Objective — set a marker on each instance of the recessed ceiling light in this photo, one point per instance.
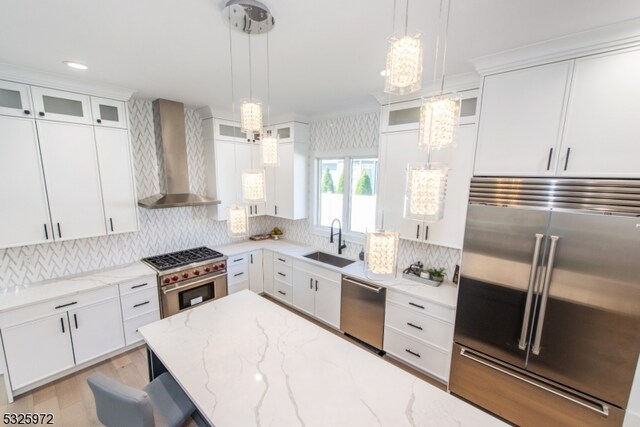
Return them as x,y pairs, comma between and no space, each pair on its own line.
384,73
76,65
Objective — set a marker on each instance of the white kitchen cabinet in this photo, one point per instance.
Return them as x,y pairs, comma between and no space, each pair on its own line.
227,130
247,157
96,330
109,112
287,183
238,274
24,212
256,274
58,105
397,149
317,292
73,182
602,131
290,132
37,349
267,273
521,117
15,99
116,177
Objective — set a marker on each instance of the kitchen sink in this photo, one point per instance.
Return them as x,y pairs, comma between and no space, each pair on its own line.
336,261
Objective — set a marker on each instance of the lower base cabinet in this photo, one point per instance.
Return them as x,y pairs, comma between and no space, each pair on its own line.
316,291
256,272
96,330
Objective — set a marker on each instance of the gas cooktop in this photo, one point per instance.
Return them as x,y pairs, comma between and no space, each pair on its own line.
181,258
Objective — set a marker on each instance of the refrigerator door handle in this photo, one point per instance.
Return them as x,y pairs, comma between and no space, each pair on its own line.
545,295
522,343
601,408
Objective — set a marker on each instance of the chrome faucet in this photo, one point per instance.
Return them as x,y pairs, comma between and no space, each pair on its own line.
341,245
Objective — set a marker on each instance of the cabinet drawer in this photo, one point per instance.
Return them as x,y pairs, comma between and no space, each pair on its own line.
59,305
237,259
138,303
283,273
131,334
138,284
422,306
237,273
239,286
282,259
425,328
416,353
283,291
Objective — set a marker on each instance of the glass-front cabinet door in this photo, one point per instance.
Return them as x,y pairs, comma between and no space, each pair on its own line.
14,99
50,104
108,112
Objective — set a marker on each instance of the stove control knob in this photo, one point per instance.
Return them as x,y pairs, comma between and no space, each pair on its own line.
185,275
167,280
196,272
222,265
216,268
174,278
207,269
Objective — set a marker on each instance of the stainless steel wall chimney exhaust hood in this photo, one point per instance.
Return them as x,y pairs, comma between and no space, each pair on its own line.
173,170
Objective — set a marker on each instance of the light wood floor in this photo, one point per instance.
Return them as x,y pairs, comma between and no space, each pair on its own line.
71,400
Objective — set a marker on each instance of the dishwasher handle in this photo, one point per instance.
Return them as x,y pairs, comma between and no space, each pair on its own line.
372,288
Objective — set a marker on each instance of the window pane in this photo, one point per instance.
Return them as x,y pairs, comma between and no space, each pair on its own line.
331,189
364,188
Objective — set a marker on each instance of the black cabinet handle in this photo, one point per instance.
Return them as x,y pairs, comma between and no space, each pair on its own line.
237,259
250,209
139,286
412,352
316,286
75,320
549,161
46,233
426,233
251,257
283,293
141,304
27,112
311,283
418,231
276,210
62,324
414,326
282,274
566,161
255,208
59,232
66,305
238,274
416,305
99,121
111,222
41,113
283,260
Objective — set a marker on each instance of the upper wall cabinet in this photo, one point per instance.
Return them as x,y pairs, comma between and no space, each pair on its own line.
108,112
15,99
575,118
51,104
227,130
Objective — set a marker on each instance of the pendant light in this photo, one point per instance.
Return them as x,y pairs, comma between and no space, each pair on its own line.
250,109
404,61
439,115
253,185
425,192
269,142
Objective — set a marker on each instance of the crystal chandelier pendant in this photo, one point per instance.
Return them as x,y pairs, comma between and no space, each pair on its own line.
251,116
269,148
381,249
404,65
426,191
439,117
237,221
253,186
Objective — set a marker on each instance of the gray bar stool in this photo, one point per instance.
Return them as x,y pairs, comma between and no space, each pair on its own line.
161,403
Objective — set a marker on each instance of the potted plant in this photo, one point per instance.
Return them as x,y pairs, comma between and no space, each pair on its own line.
436,274
276,233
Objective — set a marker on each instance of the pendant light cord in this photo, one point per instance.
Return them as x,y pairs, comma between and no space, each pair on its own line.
406,19
268,85
233,107
446,39
436,56
250,82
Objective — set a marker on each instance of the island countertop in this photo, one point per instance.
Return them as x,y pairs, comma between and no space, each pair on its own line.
246,361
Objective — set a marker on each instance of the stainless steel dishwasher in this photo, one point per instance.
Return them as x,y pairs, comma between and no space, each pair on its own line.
362,311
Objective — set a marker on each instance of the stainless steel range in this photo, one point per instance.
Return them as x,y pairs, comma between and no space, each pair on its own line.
189,278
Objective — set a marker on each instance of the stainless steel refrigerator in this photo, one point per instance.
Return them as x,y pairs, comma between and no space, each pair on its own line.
548,317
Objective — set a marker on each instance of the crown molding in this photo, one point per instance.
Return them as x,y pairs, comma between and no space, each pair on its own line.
456,83
212,111
616,36
353,111
34,77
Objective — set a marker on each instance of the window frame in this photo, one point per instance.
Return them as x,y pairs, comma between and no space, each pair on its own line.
346,156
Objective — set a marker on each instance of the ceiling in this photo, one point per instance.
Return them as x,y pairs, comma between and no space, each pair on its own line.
325,55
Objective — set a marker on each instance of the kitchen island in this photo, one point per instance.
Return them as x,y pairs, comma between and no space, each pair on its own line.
246,361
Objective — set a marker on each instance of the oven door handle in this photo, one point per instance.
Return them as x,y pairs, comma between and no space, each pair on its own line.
190,285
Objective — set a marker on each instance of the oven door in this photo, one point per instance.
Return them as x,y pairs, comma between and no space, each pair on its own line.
183,296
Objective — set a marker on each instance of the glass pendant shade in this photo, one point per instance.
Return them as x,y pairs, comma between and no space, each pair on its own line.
404,65
253,186
251,116
426,191
381,251
237,221
439,117
269,150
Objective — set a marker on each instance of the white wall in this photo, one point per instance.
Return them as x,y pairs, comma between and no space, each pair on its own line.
632,418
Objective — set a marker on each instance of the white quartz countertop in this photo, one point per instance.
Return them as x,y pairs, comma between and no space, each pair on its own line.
246,361
23,295
445,294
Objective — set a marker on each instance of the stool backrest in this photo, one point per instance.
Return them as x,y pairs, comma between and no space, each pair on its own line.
119,405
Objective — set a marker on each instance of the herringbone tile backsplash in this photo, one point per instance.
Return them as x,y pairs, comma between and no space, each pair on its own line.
166,230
